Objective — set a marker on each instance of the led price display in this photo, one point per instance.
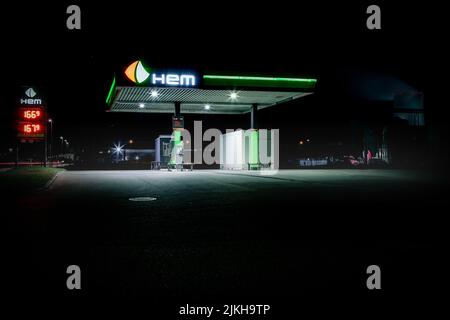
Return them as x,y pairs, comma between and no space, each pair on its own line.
31,129
31,122
31,114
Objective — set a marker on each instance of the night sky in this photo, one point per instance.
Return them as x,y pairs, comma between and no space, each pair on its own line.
327,41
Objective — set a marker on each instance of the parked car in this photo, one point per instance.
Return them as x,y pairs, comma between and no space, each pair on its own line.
346,162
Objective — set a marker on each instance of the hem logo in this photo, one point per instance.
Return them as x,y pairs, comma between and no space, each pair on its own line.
30,93
174,79
137,73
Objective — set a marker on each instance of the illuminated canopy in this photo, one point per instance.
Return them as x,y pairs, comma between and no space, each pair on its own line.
151,90
132,99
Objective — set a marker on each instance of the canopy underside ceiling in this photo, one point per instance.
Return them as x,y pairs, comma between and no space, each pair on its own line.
194,100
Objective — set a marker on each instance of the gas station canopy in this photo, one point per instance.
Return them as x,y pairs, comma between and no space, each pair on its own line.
131,99
157,90
142,89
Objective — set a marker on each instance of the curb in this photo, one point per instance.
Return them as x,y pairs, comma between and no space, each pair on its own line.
49,183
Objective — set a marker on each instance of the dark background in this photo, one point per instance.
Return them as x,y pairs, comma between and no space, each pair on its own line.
323,40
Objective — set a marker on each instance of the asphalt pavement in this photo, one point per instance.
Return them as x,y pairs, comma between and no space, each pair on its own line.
218,233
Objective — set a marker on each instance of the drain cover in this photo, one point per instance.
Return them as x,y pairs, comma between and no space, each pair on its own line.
142,199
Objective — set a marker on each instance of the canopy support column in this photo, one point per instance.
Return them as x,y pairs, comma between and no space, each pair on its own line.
176,159
253,117
177,109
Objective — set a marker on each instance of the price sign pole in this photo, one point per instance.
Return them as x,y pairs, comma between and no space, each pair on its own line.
32,118
45,140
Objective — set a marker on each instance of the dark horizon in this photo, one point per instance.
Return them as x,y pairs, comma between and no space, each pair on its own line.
328,42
